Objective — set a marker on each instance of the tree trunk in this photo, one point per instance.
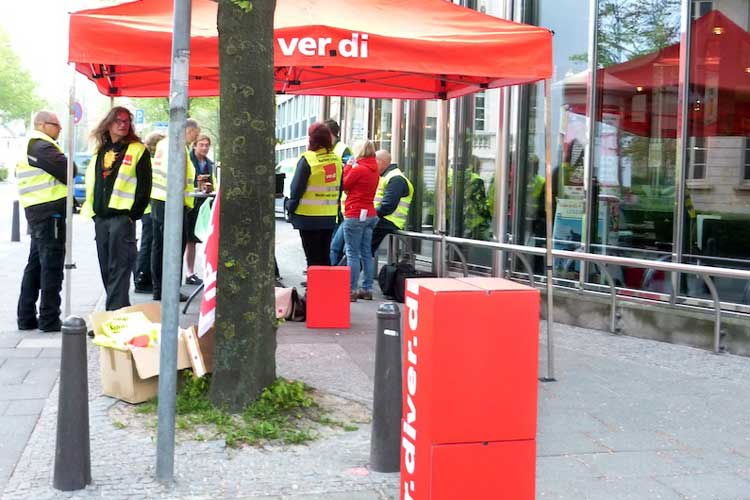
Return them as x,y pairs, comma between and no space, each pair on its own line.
245,359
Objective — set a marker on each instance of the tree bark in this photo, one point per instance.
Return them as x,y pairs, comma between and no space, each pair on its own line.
245,360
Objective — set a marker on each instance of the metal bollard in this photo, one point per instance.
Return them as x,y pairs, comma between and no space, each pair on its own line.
72,452
385,441
15,228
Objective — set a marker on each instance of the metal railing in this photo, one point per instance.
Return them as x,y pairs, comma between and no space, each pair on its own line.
601,261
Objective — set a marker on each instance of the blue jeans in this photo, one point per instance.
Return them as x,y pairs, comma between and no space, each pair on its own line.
337,245
357,245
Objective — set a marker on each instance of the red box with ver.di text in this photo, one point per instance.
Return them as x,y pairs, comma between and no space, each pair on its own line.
328,297
470,389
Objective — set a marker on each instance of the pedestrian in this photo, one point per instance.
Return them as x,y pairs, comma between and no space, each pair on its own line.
345,153
42,192
392,200
118,186
360,184
341,149
314,195
204,171
142,273
159,199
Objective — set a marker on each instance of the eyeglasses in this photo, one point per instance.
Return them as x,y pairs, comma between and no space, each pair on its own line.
54,123
121,121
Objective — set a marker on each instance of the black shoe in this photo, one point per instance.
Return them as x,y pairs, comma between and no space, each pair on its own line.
54,327
193,280
183,297
28,326
304,284
144,289
90,333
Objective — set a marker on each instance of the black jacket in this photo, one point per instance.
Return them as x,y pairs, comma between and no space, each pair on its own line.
396,189
103,185
44,155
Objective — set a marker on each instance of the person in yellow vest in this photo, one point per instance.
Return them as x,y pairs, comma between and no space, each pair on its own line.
159,199
42,192
342,150
392,199
142,271
314,195
118,188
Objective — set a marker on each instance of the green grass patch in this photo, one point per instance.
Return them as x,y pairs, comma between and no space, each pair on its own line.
284,412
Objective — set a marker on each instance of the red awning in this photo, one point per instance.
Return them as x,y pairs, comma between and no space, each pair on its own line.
412,49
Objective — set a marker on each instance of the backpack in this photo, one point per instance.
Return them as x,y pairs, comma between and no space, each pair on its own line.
392,279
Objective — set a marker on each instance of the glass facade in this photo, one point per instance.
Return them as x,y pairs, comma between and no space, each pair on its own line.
650,145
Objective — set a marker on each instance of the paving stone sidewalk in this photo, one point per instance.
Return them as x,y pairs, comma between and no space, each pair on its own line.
627,419
30,360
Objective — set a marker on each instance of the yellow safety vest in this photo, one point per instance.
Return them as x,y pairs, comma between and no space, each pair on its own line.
159,174
339,149
123,191
36,186
320,199
399,216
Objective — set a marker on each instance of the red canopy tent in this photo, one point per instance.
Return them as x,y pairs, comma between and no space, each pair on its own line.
429,49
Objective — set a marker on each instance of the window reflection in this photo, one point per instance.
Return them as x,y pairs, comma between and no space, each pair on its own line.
717,194
635,139
569,20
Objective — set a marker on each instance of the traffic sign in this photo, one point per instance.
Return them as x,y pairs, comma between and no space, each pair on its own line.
140,117
77,112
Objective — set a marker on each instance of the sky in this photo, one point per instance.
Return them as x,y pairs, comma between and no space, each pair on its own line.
38,31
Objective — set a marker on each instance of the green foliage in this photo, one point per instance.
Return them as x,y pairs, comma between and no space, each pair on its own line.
18,97
245,5
3,174
119,425
282,412
205,110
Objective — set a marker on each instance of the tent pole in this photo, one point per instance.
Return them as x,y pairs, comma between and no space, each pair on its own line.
549,218
71,142
441,181
172,261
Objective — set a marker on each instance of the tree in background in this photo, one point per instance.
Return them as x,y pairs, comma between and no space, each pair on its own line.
203,109
245,359
18,99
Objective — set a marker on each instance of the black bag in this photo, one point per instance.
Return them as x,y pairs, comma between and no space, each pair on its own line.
403,272
387,279
299,307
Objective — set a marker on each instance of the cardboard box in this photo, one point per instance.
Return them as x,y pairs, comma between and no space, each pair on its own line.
132,375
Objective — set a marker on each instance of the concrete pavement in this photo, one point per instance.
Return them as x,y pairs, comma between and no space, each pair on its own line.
30,360
627,419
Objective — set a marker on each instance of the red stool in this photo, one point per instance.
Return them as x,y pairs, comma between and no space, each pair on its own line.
328,297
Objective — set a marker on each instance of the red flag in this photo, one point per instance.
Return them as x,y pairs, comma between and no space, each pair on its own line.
208,302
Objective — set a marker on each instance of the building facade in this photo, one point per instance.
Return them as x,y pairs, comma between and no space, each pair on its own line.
650,148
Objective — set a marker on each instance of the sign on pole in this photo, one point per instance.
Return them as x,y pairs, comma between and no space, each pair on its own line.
140,117
77,112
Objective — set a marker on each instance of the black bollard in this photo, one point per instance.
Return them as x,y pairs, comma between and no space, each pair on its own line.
385,441
15,227
72,453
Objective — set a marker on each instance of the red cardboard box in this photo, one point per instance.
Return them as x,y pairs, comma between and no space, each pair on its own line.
470,389
328,297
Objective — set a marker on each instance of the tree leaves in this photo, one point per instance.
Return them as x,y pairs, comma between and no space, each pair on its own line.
18,97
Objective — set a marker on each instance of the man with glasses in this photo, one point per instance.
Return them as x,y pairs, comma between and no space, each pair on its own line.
118,190
42,192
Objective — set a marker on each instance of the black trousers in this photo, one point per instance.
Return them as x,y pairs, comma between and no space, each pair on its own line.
43,273
116,248
143,262
157,244
317,246
382,229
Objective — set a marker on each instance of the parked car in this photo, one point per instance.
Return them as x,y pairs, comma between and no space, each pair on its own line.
79,187
286,167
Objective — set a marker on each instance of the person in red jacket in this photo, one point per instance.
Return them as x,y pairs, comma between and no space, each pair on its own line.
360,184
